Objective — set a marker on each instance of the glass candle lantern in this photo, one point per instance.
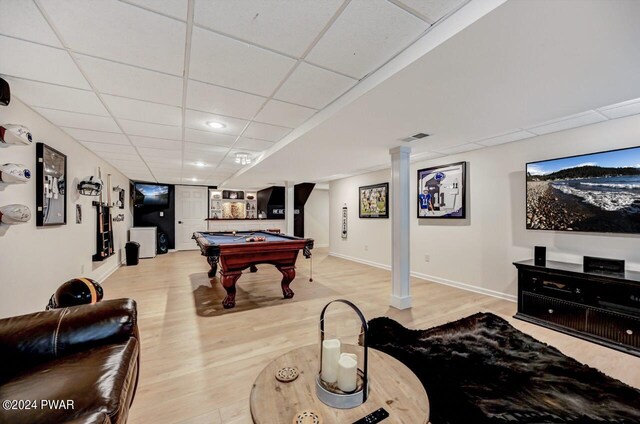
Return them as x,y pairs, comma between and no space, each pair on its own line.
342,380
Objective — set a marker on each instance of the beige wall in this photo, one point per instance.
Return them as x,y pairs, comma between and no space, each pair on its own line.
35,261
478,252
316,217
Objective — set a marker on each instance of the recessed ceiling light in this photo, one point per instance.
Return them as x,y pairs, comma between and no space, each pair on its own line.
194,179
216,125
200,164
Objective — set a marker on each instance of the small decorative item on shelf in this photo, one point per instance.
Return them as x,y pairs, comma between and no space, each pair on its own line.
12,173
340,383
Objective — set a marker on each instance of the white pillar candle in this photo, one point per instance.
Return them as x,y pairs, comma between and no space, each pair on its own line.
347,373
330,357
350,355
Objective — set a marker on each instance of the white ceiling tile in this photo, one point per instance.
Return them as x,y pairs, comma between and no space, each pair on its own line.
39,94
22,19
156,143
620,110
174,8
162,162
365,36
284,114
151,130
314,87
96,136
110,148
223,61
138,110
121,32
129,81
505,138
204,148
208,137
40,63
252,144
286,26
266,131
142,177
156,153
573,121
460,149
198,121
433,10
222,101
128,165
108,156
79,120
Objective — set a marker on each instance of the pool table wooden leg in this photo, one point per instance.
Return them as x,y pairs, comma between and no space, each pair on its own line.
288,274
213,262
228,281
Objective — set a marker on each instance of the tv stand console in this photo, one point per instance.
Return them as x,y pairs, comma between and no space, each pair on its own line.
601,307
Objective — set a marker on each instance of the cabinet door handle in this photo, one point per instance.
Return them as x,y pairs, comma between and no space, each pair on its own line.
630,332
550,311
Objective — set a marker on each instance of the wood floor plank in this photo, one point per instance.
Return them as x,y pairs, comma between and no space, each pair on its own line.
198,369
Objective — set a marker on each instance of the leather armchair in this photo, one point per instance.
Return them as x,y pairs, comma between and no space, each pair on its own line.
84,360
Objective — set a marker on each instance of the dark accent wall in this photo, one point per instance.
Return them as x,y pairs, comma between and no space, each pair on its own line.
301,194
149,216
272,199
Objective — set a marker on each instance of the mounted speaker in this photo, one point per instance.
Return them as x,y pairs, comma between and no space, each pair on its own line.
540,256
5,93
163,243
593,264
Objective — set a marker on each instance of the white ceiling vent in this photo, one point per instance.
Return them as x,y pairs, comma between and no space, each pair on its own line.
414,137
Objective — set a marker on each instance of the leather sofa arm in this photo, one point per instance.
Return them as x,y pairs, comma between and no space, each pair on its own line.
29,339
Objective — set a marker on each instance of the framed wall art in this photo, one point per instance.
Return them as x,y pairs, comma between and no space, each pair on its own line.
441,191
51,186
374,201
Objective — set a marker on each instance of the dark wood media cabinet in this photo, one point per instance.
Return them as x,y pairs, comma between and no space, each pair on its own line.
601,307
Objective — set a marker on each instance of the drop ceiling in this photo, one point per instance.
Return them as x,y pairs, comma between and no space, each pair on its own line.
137,81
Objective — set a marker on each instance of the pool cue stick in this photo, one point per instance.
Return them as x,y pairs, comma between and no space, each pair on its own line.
241,237
109,213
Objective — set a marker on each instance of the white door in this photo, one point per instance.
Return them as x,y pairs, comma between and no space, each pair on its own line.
191,211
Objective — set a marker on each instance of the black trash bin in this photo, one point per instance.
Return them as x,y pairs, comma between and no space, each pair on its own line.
133,253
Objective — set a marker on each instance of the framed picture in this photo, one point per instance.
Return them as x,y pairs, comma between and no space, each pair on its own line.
374,201
441,191
51,186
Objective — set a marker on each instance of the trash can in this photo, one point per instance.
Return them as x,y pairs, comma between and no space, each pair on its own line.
132,249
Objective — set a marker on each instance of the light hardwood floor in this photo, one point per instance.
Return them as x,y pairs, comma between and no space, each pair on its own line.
199,369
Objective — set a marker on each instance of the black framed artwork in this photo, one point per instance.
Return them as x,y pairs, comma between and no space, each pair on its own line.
441,191
374,201
51,186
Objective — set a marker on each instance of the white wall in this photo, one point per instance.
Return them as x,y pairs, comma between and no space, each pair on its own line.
316,217
477,253
35,261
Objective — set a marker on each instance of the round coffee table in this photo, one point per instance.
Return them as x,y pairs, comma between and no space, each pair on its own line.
392,386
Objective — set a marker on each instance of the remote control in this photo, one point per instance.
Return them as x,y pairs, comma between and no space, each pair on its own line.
374,417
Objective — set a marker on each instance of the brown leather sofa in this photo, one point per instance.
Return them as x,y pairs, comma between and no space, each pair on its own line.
87,356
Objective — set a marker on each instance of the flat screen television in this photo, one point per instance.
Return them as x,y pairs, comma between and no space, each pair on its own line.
151,195
598,192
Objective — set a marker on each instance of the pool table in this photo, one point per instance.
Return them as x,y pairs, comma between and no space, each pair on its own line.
234,254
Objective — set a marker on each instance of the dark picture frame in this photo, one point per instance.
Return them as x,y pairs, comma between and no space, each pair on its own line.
51,186
376,195
441,192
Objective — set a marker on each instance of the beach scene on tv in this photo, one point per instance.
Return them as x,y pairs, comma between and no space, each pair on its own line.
598,192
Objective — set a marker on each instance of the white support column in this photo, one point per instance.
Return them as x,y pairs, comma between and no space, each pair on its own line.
400,216
289,208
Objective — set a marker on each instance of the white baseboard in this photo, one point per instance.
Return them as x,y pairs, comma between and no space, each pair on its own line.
434,279
101,278
361,261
